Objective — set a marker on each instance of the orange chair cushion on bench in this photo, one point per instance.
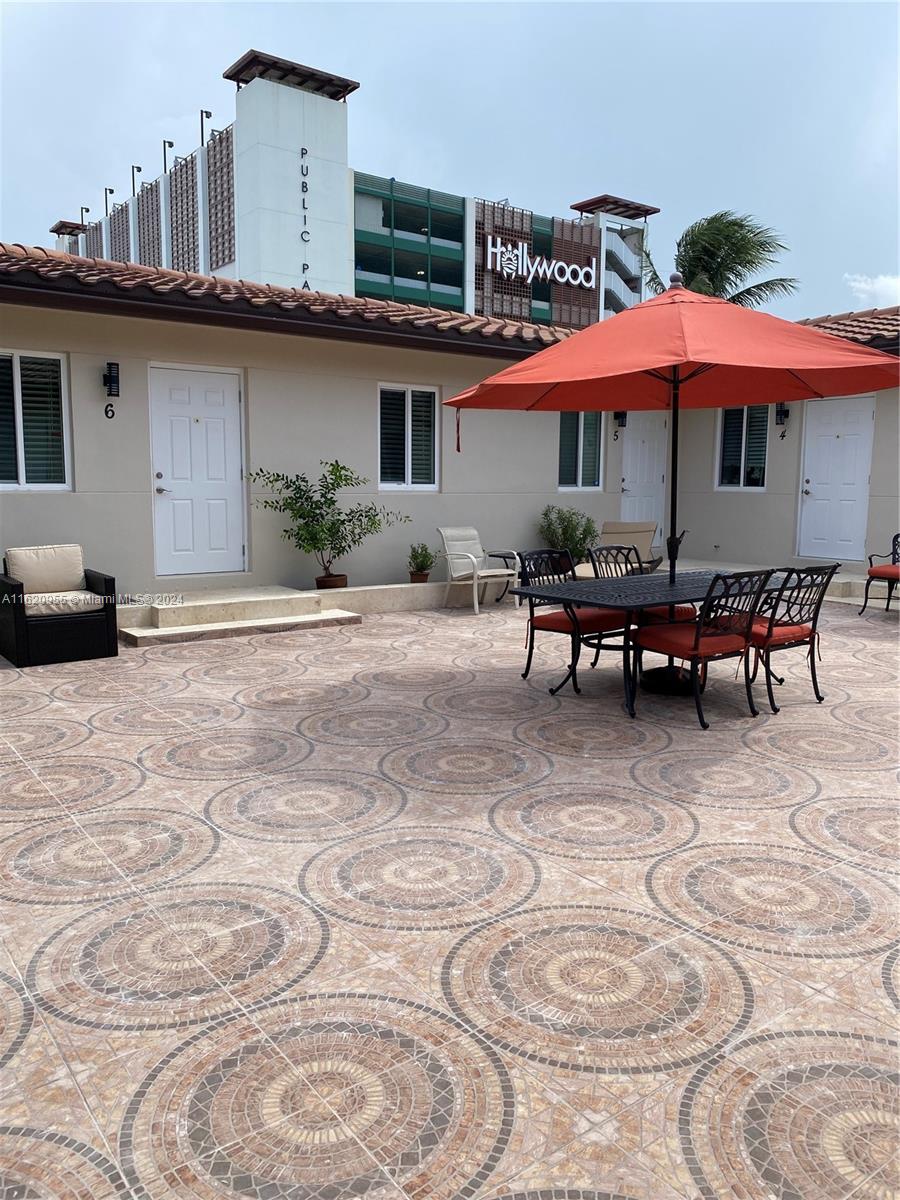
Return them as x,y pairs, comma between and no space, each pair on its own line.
759,634
590,620
678,640
888,571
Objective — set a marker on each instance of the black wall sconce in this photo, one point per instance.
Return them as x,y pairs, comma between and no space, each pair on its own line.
111,379
782,413
621,419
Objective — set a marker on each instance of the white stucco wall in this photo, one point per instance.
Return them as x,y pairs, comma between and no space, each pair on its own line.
305,400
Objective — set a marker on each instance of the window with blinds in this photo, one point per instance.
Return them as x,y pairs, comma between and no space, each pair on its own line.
580,439
407,437
32,429
743,447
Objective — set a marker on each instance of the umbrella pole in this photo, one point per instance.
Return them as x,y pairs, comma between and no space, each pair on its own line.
672,541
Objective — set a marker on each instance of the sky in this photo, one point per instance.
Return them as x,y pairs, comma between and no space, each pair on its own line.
784,111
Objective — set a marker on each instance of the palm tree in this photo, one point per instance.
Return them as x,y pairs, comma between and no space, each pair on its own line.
717,256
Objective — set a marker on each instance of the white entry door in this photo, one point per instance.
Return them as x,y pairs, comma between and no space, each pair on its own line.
644,468
837,456
198,491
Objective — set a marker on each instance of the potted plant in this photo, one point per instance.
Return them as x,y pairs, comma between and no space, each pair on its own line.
318,524
567,529
420,562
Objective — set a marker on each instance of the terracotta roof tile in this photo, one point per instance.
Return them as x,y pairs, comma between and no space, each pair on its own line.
43,267
871,326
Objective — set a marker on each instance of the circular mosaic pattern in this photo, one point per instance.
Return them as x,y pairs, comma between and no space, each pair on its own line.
585,735
33,739
16,1016
598,990
304,809
489,702
466,766
795,1114
306,1101
291,695
146,682
238,672
23,704
102,856
822,745
861,831
713,779
195,756
783,901
419,877
553,1193
419,677
586,824
40,1164
372,725
356,655
879,718
203,651
890,976
153,719
76,785
177,956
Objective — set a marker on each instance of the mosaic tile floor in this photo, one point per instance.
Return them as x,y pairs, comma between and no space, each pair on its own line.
360,914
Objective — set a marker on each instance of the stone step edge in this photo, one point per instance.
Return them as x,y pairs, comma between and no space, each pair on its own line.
153,635
165,616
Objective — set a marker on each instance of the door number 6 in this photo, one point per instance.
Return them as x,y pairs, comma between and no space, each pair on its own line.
109,412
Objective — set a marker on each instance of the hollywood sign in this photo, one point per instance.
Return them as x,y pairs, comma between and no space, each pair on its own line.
513,261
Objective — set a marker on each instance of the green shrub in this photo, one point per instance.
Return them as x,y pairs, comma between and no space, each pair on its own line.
567,529
421,559
317,523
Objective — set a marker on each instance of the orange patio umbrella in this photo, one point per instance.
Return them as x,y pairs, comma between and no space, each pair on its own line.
683,350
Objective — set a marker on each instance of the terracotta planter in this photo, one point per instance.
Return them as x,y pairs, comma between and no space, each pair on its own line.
418,576
331,581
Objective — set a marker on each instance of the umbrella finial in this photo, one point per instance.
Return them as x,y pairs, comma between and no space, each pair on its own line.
676,280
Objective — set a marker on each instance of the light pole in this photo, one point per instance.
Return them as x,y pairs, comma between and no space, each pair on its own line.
135,170
205,115
166,146
84,209
107,192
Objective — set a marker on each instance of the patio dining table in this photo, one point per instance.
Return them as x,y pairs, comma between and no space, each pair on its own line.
631,594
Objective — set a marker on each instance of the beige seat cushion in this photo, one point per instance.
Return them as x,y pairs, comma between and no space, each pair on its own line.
54,604
47,568
487,573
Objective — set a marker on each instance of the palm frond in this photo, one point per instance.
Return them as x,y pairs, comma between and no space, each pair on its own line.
718,255
767,289
652,278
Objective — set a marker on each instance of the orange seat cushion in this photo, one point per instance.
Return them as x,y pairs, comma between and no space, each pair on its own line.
660,612
888,571
678,640
590,620
759,633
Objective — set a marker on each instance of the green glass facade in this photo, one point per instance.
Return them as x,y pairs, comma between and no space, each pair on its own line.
409,243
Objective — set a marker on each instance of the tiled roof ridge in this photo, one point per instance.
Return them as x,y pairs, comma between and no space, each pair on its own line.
126,276
892,310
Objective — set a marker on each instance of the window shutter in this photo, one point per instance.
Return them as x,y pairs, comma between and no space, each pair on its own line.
568,449
422,417
732,441
757,437
393,436
42,420
590,449
9,472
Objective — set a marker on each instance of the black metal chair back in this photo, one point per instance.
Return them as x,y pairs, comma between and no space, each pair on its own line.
543,568
799,599
895,549
730,605
612,562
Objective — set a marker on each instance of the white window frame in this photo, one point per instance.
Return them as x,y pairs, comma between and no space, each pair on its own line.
409,388
741,487
601,454
15,355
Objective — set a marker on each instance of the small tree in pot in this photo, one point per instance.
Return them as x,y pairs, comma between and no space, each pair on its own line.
318,524
420,562
567,529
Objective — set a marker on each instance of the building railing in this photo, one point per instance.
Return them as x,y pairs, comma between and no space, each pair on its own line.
619,291
625,259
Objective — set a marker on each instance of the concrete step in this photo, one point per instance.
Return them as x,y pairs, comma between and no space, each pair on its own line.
234,604
155,636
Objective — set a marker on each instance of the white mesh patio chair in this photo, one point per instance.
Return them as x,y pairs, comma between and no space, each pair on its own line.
467,562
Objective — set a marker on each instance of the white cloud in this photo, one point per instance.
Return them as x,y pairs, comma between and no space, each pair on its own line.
875,291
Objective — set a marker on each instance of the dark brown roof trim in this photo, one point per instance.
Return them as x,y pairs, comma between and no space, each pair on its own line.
616,206
256,64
